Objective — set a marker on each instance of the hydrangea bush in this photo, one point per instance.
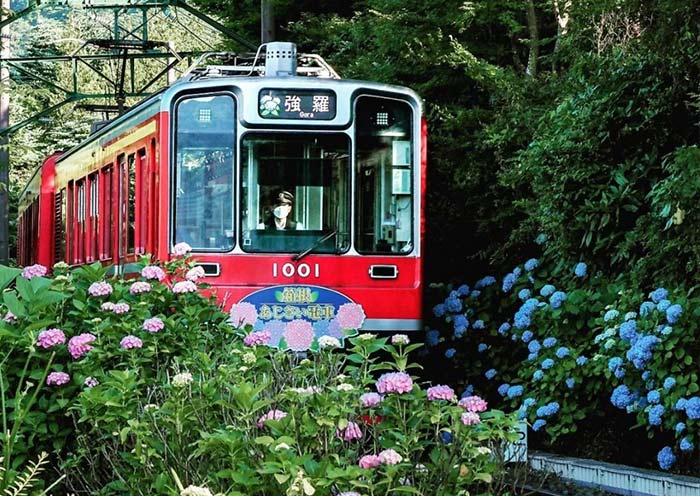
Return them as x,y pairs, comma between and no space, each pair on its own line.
143,386
554,345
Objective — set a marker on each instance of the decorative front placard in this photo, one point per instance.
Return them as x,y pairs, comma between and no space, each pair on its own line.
297,104
296,316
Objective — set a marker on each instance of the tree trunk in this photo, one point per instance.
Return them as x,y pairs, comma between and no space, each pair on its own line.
562,9
534,40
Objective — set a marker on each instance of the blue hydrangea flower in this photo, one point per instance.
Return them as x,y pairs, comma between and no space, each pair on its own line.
548,410
655,414
580,269
479,324
630,315
686,444
582,360
503,389
446,437
508,282
474,294
611,314
614,363
570,382
460,324
450,352
620,372
641,351
669,382
666,458
526,337
628,330
468,391
646,308
537,375
439,310
547,363
539,423
549,342
562,352
646,375
490,373
557,299
663,305
482,347
680,404
463,290
432,337
653,396
505,327
673,313
533,356
521,320
514,391
531,264
534,346
547,290
680,427
692,408
622,397
658,294
528,402
665,329
485,282
517,271
524,294
453,303
541,239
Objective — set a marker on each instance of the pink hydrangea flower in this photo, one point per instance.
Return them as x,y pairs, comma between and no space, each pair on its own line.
100,288
154,324
473,404
243,313
91,382
181,249
36,270
299,335
50,338
400,339
10,317
350,433
271,415
129,342
107,306
441,392
195,273
394,382
152,272
57,379
470,418
390,457
184,287
79,345
120,308
350,316
257,338
140,287
370,461
370,400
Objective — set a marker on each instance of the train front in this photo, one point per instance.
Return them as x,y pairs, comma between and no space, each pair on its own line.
301,196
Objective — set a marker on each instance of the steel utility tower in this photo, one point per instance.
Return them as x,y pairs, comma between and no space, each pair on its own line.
130,46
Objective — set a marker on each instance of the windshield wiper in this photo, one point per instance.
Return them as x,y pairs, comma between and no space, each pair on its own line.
316,244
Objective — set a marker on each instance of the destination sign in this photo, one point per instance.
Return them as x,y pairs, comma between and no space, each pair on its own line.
297,104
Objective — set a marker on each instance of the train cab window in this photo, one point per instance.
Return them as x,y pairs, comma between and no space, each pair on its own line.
384,174
204,171
308,177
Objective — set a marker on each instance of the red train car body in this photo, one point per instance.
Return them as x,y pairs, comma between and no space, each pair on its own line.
204,161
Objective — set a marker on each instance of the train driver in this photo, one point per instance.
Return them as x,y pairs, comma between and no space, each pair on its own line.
281,214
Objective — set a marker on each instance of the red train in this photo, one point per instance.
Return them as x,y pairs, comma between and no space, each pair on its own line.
211,159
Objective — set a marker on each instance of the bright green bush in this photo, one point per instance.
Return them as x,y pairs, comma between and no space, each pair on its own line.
141,386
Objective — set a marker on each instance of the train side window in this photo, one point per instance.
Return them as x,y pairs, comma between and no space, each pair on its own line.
204,171
106,213
385,173
129,195
70,231
142,205
93,218
80,219
60,252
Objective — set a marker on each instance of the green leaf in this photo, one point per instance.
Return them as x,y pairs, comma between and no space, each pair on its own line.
13,303
7,275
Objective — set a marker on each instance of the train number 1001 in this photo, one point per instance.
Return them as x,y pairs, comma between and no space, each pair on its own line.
290,270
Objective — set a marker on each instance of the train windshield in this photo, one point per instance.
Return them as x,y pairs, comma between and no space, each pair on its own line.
295,193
